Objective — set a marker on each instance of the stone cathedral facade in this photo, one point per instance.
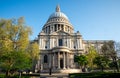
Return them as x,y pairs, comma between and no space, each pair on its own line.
59,44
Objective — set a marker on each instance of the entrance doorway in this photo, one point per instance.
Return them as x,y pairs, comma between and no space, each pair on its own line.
61,63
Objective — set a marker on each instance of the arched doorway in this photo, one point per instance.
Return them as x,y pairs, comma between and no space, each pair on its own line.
61,63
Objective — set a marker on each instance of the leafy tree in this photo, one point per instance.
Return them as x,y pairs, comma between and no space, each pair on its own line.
14,40
101,62
33,50
12,61
82,61
92,53
108,50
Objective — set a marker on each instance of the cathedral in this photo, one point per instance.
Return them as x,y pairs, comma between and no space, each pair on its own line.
58,44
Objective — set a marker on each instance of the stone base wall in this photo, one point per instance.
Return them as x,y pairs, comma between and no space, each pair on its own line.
62,71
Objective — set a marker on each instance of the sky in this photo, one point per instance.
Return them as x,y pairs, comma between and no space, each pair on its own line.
94,19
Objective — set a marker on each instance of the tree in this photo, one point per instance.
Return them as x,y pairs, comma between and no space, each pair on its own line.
82,61
14,40
108,50
92,53
33,50
101,62
12,61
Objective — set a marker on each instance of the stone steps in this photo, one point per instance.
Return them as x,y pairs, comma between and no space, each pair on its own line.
54,75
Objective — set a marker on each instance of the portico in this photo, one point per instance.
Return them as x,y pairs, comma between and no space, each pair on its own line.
59,58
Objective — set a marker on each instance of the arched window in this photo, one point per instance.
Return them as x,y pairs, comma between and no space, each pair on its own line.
45,59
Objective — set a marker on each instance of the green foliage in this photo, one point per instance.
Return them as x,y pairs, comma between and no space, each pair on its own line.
14,41
108,50
33,50
101,62
92,53
82,60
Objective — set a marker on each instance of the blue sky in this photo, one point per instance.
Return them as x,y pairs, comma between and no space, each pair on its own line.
95,19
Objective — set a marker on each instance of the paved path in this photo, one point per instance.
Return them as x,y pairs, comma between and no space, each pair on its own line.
54,75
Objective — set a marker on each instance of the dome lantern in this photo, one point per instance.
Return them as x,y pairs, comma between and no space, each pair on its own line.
57,8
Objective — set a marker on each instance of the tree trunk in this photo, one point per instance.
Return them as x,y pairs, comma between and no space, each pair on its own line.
116,64
7,73
102,68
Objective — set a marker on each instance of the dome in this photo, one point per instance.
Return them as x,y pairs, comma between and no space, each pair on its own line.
58,14
57,21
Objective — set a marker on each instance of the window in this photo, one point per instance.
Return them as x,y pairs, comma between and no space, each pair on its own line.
48,29
74,47
45,47
55,27
46,44
45,59
60,42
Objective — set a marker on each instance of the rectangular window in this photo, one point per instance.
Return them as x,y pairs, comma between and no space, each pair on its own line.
55,27
60,42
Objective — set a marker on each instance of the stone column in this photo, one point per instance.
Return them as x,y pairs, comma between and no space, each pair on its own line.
63,27
49,60
53,62
70,42
64,65
77,43
41,62
58,60
53,42
67,61
41,43
81,46
60,27
57,27
53,27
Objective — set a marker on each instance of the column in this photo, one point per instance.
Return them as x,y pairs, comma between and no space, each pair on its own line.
53,42
64,61
67,61
41,62
70,43
63,27
60,27
53,27
41,43
50,60
58,60
57,27
81,46
77,43
53,62
50,43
